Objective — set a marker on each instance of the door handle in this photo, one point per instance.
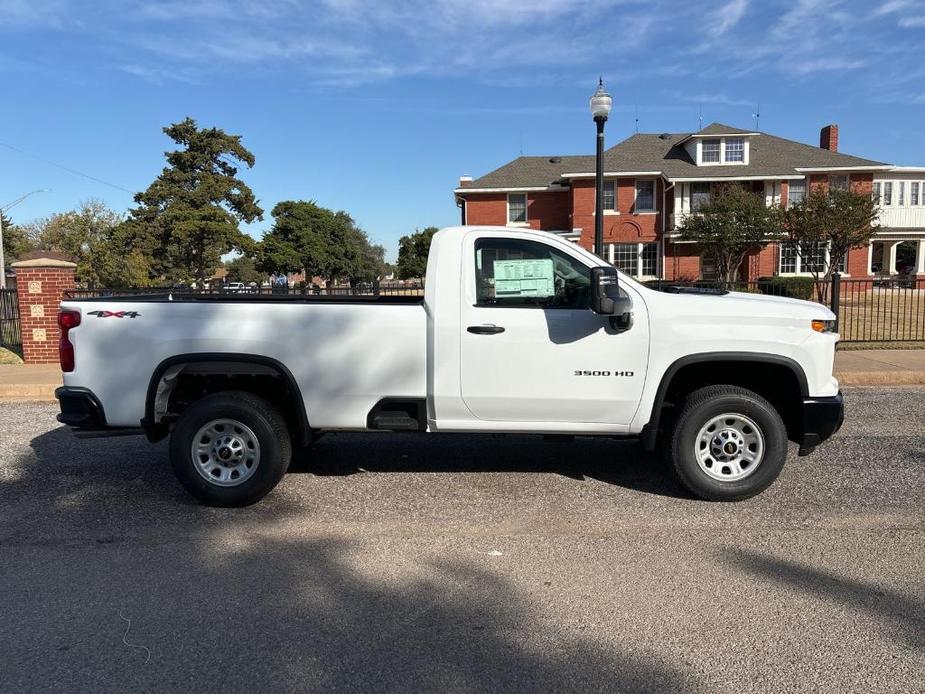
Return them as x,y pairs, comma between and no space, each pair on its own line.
485,329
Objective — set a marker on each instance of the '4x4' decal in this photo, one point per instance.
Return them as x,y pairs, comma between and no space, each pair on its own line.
114,314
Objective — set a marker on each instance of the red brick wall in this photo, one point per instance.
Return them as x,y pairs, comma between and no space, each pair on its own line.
625,227
39,290
545,210
682,262
489,209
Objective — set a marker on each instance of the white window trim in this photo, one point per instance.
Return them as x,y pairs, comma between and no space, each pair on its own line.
799,262
616,199
722,151
723,147
611,256
652,210
805,190
526,222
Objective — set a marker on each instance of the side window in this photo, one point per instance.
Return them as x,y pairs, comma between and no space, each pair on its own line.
514,272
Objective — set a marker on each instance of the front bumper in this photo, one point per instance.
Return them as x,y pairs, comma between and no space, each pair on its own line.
822,417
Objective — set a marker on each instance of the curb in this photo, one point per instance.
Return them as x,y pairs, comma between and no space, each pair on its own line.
880,378
32,392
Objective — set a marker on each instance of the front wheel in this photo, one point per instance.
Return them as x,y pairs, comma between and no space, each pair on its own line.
728,444
230,449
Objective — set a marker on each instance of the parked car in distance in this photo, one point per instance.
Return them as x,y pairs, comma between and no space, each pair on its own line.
518,331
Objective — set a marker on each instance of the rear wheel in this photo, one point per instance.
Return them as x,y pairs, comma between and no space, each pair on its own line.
728,444
230,449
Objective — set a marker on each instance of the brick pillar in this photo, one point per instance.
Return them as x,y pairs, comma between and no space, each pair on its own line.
40,284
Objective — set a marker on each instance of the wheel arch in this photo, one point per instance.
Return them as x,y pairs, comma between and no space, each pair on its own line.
677,370
153,422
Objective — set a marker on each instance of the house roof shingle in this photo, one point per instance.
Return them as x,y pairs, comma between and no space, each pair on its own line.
769,156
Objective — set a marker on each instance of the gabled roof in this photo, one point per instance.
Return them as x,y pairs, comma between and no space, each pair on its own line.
531,172
769,156
720,129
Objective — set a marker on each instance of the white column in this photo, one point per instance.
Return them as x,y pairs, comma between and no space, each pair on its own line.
870,258
892,266
920,258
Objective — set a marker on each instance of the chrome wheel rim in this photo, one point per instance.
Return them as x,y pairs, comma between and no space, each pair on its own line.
225,452
729,447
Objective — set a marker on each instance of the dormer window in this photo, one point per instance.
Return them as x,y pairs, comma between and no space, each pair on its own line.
710,152
735,150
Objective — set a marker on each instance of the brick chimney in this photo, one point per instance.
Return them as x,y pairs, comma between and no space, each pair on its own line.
465,181
828,138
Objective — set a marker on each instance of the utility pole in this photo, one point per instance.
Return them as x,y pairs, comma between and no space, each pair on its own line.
4,209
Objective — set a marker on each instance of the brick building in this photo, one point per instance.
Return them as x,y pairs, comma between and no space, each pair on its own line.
653,181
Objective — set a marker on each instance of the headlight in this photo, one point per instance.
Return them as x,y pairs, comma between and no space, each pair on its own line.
824,326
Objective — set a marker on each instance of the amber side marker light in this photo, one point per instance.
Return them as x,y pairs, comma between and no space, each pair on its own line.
823,326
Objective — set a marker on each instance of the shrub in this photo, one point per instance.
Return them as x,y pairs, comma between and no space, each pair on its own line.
793,287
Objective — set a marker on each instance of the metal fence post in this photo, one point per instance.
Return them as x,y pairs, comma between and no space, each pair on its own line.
836,296
376,290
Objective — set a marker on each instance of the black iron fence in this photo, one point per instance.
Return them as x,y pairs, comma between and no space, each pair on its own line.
365,289
890,309
10,327
868,310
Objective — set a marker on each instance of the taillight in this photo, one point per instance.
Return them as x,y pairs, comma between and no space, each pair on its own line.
66,321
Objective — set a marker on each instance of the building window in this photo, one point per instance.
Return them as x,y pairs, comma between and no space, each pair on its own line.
635,259
902,191
887,198
710,152
838,182
517,208
875,192
914,193
700,195
814,258
645,196
610,195
788,258
796,192
735,149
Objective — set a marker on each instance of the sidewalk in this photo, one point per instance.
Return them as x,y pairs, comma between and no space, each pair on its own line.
875,367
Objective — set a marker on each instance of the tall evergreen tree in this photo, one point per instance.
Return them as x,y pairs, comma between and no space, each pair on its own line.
188,217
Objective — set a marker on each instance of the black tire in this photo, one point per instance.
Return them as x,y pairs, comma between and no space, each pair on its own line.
267,426
707,403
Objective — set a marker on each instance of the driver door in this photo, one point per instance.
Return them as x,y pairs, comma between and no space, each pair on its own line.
531,348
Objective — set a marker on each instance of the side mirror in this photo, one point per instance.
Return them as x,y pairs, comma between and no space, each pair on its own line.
608,300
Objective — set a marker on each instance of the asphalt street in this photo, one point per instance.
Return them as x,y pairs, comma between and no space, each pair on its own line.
464,563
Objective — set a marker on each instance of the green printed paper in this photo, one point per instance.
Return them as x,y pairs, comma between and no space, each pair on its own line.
524,278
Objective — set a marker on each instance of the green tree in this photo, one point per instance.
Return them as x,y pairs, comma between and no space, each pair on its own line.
91,235
188,217
311,238
244,269
840,220
412,253
15,240
732,225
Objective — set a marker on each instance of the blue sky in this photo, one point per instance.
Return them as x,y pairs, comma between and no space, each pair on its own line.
379,107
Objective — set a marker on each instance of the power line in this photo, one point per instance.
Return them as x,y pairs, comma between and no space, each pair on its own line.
67,168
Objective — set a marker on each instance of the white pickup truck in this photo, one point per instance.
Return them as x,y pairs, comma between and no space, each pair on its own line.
517,332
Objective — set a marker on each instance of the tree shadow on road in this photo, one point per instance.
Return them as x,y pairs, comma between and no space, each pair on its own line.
902,614
233,600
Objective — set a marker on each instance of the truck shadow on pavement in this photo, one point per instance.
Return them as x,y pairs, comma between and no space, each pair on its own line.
622,463
242,600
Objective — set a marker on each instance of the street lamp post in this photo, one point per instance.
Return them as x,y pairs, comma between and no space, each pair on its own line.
601,104
4,209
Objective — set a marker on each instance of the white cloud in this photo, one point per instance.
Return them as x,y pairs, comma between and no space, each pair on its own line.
912,22
727,16
826,65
